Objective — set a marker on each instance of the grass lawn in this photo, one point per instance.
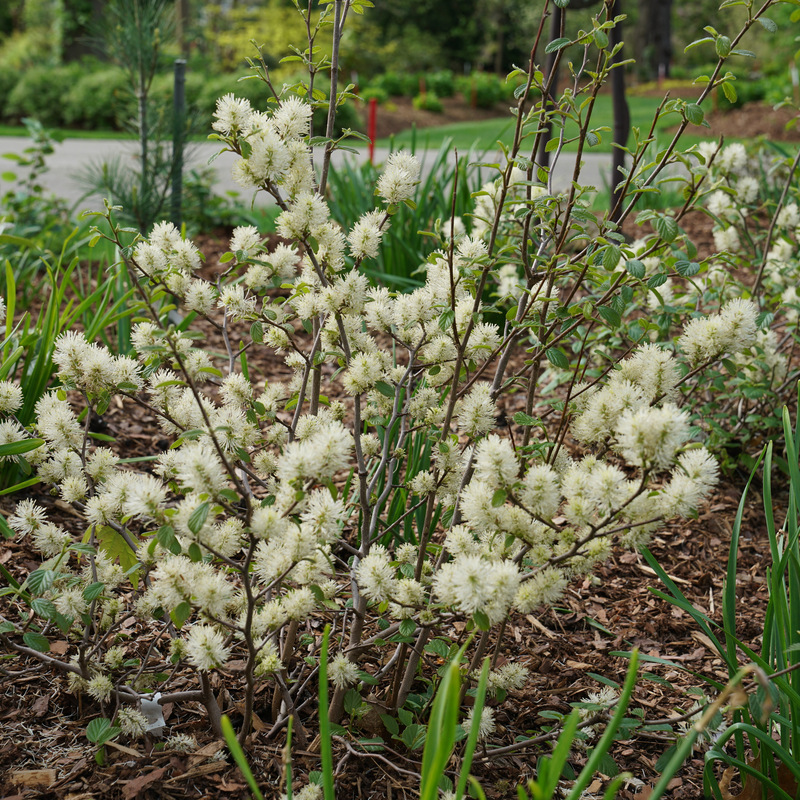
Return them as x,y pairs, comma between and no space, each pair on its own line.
485,133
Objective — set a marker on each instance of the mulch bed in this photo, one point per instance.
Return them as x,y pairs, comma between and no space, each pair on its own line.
44,751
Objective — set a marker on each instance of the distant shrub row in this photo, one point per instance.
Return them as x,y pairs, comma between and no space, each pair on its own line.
69,96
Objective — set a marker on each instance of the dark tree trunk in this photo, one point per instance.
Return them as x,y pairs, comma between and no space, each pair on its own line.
79,16
556,25
653,42
622,117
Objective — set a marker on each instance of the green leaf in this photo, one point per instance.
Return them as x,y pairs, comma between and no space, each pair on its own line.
729,91
407,627
610,316
40,580
390,723
769,24
99,731
352,701
498,498
556,44
635,268
36,642
556,357
611,256
117,549
93,591
15,448
694,114
521,418
687,268
601,39
181,613
723,46
481,620
166,538
385,389
199,517
659,279
44,608
666,228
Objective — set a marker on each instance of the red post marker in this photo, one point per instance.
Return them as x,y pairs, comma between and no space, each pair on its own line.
373,113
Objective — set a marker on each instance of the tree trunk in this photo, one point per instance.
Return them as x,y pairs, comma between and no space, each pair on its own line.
622,117
556,24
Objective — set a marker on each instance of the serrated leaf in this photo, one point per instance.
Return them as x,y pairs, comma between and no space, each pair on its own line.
611,316
40,580
116,548
723,46
385,389
729,91
666,228
694,114
687,268
166,538
481,620
556,44
100,730
93,591
659,279
36,642
521,418
556,357
181,613
611,256
407,627
636,268
43,608
769,24
198,517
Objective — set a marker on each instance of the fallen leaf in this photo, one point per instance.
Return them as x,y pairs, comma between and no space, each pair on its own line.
132,788
39,708
753,788
60,648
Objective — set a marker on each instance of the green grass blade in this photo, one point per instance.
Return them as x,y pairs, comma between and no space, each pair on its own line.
239,757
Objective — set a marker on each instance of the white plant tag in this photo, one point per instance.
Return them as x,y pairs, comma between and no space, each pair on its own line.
154,714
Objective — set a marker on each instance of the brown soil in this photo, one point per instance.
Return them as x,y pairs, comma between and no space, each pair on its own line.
751,121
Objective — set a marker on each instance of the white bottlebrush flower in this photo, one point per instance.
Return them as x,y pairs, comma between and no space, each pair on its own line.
400,177
132,722
291,120
304,216
245,239
788,216
727,239
732,158
200,296
545,588
205,648
747,190
495,462
731,331
486,725
28,517
233,115
363,372
541,494
10,433
269,158
10,397
342,672
508,678
476,413
100,687
650,437
50,539
365,238
181,743
375,576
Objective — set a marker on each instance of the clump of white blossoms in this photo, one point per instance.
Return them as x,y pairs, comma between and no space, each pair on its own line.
370,476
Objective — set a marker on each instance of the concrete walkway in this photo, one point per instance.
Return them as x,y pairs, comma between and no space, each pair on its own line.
73,156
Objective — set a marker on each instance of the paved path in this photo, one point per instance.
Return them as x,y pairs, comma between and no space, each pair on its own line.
72,156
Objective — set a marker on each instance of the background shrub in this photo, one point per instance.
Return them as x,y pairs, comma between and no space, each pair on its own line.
40,93
99,100
8,80
488,89
441,83
428,102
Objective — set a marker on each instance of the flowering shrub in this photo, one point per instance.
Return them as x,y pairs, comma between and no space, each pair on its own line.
273,504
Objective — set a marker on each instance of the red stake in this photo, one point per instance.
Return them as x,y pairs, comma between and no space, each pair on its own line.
373,112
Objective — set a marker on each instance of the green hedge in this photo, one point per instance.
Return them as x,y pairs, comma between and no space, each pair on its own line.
40,93
100,100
